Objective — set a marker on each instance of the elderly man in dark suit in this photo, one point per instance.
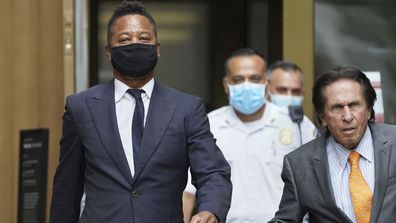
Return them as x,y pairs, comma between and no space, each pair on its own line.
349,173
129,143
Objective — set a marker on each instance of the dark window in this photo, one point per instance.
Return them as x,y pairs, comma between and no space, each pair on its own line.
359,33
196,37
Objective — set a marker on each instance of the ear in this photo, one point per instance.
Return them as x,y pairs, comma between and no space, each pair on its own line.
267,89
268,83
323,121
108,51
369,114
225,85
158,48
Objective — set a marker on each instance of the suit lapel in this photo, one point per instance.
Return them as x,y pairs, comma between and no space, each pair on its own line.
323,176
102,108
161,109
381,162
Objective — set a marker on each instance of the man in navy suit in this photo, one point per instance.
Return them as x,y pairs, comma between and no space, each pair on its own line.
136,174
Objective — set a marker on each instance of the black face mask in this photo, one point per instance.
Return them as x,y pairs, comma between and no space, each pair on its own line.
134,60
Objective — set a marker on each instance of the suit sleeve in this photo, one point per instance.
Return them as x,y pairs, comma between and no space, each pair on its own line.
209,169
289,208
68,180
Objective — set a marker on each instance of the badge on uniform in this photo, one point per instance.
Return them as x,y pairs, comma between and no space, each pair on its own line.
286,136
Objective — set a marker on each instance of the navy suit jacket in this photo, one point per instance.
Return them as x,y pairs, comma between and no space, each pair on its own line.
176,137
308,186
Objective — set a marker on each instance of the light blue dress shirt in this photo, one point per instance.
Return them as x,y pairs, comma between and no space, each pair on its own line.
339,169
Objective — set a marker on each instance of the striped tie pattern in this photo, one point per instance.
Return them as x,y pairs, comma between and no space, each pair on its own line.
360,192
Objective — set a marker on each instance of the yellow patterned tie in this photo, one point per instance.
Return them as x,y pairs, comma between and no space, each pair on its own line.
360,192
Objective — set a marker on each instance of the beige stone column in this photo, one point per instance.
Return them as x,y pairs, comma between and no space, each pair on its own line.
31,87
298,42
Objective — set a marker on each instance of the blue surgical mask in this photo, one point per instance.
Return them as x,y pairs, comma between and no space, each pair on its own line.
247,98
286,100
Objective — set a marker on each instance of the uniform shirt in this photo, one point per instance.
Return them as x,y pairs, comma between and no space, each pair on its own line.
255,153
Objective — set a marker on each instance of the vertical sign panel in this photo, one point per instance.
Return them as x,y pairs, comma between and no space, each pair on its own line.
32,175
375,79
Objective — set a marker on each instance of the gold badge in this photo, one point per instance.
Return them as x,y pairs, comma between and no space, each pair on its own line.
286,136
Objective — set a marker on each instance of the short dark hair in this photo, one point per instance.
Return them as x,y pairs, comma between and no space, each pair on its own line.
285,65
331,76
241,52
129,8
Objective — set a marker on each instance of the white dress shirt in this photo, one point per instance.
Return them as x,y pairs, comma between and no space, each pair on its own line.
125,107
340,168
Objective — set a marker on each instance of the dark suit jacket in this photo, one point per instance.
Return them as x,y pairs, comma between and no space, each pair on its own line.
308,187
176,136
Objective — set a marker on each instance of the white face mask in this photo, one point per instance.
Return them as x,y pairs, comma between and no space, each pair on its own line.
286,100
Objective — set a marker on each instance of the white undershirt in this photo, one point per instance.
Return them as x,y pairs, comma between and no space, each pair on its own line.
125,106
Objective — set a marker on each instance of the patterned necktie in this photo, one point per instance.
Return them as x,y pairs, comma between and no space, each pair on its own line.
137,122
360,192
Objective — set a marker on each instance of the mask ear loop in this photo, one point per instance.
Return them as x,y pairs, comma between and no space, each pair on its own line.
267,93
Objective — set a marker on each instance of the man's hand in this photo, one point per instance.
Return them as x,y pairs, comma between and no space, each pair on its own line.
204,217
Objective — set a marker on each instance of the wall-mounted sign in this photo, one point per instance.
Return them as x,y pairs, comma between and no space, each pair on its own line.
375,79
33,159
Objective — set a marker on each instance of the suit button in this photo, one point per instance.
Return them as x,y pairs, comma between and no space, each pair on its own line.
134,193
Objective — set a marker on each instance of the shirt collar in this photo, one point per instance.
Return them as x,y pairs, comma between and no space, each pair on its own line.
230,118
272,114
364,148
120,89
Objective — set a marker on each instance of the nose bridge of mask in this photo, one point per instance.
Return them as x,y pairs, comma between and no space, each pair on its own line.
246,86
283,96
286,100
